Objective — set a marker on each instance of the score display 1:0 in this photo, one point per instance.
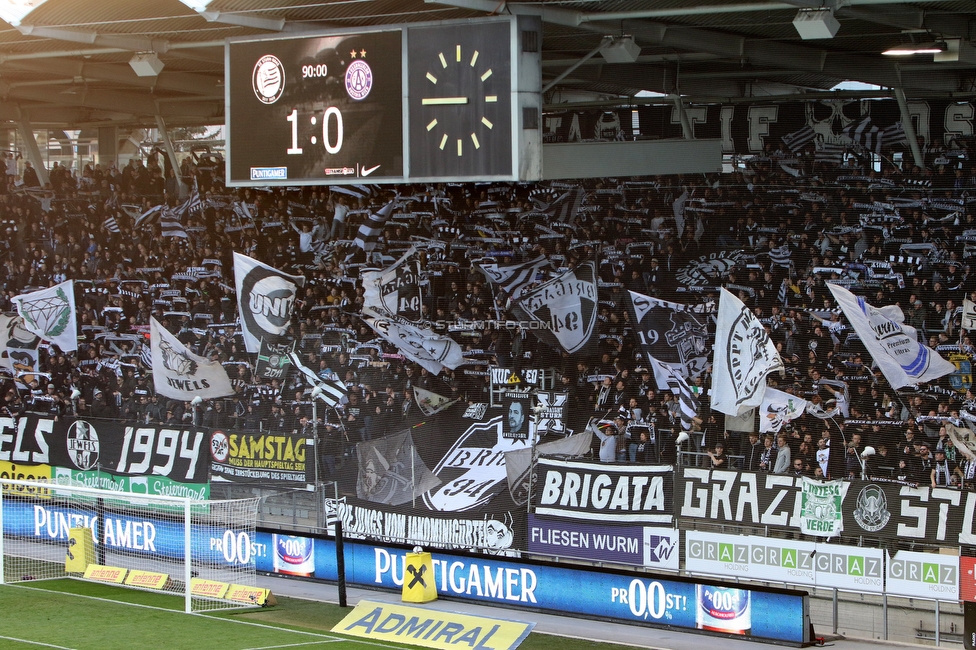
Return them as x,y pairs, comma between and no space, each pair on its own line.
331,111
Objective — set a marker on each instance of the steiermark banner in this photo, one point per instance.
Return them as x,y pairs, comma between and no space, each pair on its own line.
849,568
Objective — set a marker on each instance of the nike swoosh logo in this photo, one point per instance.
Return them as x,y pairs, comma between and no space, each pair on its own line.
367,172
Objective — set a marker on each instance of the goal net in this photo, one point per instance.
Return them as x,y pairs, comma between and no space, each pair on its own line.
201,550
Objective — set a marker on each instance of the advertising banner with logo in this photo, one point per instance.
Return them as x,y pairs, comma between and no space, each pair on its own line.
631,545
101,453
923,575
770,559
771,614
156,536
887,510
605,493
967,579
284,459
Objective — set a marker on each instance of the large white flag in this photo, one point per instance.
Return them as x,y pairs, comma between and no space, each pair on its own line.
419,344
778,408
180,374
50,313
891,343
744,355
265,299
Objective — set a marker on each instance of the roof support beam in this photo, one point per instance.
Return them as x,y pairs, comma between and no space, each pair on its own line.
197,84
33,151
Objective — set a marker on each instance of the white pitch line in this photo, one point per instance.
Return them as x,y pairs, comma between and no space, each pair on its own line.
46,645
295,645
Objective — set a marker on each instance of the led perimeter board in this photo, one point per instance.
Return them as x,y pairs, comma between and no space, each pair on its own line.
450,101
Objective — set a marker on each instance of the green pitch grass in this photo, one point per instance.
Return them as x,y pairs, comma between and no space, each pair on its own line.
78,615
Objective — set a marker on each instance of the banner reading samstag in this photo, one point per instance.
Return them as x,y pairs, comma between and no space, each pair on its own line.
888,510
282,459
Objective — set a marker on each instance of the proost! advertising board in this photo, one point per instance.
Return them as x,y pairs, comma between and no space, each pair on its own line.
849,568
776,615
923,575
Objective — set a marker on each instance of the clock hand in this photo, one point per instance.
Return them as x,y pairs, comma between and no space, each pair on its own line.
443,101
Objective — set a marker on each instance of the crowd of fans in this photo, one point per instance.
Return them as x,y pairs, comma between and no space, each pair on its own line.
897,238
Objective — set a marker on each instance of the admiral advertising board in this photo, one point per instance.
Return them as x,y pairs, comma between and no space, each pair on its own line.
150,459
850,568
887,510
768,614
394,103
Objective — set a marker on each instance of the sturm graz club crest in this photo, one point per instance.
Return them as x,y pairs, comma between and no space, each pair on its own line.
82,445
566,305
871,510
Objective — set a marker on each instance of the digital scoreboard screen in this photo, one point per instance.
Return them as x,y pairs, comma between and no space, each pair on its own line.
419,102
315,109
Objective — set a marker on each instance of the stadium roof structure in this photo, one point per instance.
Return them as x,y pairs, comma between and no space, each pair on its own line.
75,62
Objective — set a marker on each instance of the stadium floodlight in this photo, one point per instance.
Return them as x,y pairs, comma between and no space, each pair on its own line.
14,11
910,49
158,543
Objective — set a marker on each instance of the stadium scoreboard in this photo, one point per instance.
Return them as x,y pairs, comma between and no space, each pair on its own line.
448,101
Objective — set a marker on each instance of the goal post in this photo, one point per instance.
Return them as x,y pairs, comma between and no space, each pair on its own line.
200,550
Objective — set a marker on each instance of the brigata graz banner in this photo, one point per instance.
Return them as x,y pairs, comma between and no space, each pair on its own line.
604,493
101,453
871,508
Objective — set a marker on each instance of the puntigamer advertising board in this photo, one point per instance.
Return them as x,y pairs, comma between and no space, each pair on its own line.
771,614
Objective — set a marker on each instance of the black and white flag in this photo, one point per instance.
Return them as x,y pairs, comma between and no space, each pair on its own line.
672,333
798,139
744,355
265,299
865,134
333,392
170,226
180,374
421,345
669,379
111,225
512,278
395,290
565,308
371,229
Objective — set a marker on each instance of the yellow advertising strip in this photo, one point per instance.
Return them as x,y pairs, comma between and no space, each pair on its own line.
146,579
20,472
101,573
250,595
208,588
430,628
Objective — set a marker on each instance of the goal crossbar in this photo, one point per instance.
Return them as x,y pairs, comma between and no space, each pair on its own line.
164,543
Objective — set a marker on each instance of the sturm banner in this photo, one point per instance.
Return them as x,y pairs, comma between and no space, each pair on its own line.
871,509
265,299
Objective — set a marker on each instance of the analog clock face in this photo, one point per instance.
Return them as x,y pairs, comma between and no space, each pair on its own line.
460,101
